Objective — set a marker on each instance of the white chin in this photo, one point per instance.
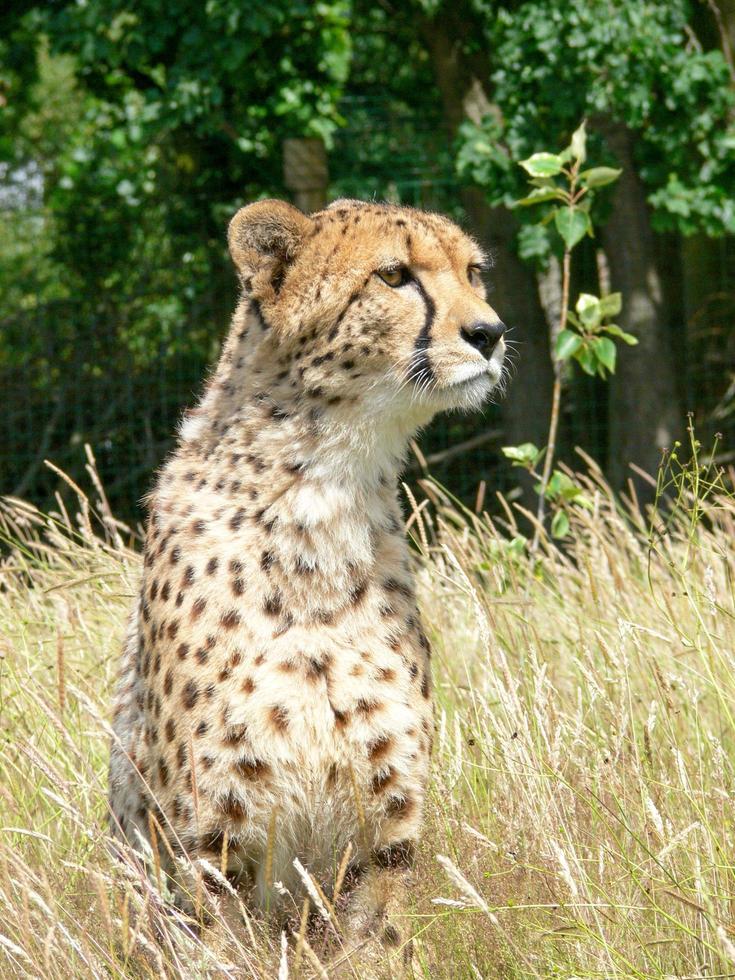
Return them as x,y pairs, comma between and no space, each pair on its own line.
468,394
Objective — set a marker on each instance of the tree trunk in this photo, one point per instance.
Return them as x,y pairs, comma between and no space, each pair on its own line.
462,80
305,172
645,409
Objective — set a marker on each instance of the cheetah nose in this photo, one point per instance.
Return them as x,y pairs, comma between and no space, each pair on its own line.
484,336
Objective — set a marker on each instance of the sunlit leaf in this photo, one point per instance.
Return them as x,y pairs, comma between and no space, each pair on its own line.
572,224
542,164
524,455
567,344
611,304
588,308
605,352
560,525
615,331
578,146
586,359
540,194
599,176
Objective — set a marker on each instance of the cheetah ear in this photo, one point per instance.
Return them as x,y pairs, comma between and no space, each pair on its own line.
264,238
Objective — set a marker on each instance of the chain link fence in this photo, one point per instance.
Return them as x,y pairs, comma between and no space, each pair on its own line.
68,377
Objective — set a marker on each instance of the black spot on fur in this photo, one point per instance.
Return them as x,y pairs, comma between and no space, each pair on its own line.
233,806
230,619
237,518
399,806
379,748
212,841
279,718
251,769
273,604
190,694
426,685
341,718
383,779
163,772
358,592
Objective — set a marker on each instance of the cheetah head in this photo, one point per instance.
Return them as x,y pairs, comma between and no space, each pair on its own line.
372,304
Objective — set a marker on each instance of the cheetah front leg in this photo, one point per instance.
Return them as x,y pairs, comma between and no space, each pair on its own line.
378,918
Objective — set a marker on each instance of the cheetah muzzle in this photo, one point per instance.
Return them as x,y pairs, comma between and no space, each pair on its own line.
275,688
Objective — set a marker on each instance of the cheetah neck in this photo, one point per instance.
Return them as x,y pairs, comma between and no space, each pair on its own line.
318,479
251,412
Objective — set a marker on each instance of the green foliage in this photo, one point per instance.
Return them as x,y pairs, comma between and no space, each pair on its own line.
561,491
162,136
586,343
589,343
571,216
133,133
631,64
558,178
526,455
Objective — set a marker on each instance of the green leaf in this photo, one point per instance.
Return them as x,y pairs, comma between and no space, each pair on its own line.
578,146
588,308
524,455
605,352
599,176
611,304
564,486
615,331
542,164
534,242
517,545
567,344
540,194
560,525
554,485
586,359
572,224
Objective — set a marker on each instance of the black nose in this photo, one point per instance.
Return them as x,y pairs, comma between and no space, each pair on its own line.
484,336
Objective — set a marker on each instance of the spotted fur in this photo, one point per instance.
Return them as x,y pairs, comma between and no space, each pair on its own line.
275,677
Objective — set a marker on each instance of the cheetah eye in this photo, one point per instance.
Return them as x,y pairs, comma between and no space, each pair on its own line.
474,274
394,277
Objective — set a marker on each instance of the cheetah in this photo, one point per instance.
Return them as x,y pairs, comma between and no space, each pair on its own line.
275,695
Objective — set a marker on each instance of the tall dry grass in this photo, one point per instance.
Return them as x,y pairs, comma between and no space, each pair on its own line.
580,820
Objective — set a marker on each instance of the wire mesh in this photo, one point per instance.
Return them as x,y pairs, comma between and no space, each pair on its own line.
67,379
